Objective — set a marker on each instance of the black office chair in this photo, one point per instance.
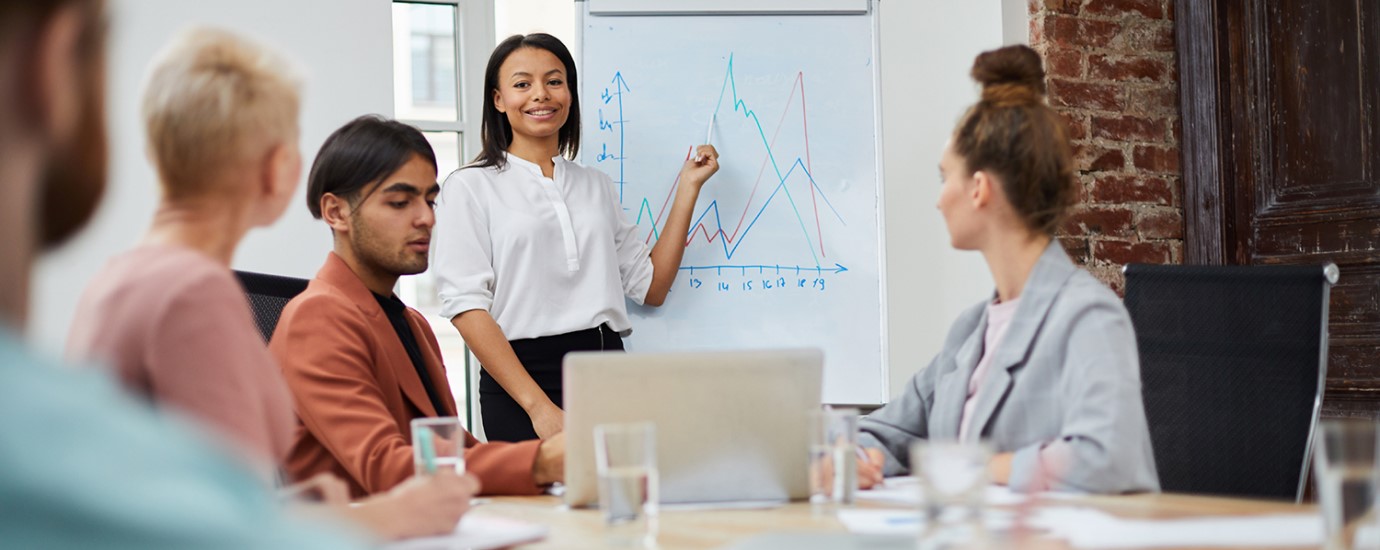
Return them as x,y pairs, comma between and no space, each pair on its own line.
1233,361
268,294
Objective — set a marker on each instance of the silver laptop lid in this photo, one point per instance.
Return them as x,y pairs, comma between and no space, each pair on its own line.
731,426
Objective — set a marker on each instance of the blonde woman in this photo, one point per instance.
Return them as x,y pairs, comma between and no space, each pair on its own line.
168,316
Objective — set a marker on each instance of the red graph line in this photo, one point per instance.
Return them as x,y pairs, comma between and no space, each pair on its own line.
669,193
819,233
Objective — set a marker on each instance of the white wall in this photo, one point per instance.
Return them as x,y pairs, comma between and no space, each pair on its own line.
342,48
1015,21
554,17
927,51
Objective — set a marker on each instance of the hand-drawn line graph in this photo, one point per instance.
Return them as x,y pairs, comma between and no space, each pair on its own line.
798,171
784,247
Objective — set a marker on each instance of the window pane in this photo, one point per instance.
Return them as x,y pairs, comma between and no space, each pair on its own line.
424,64
447,147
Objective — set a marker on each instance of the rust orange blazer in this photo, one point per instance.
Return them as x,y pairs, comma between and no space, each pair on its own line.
356,392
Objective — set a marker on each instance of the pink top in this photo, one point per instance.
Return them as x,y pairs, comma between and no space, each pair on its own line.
1056,455
176,327
999,316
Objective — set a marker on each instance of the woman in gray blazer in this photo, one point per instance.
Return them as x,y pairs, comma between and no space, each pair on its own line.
1046,372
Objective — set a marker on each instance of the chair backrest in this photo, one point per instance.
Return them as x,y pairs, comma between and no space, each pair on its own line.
268,294
1233,363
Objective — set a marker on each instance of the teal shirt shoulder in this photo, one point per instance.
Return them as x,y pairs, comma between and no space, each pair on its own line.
84,466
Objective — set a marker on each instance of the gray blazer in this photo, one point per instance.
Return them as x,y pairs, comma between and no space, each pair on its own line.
1067,370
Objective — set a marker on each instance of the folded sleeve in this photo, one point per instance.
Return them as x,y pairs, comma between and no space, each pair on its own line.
634,256
503,468
461,246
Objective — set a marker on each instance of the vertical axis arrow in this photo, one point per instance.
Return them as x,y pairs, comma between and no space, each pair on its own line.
620,86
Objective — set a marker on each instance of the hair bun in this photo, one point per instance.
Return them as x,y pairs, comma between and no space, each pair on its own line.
1010,76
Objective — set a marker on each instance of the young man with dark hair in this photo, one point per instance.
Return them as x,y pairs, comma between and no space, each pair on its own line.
85,466
360,364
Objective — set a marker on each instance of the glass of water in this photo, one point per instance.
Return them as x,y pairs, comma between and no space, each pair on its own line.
1345,474
833,458
625,456
438,443
953,477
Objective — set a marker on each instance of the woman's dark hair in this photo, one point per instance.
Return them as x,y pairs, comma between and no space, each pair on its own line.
496,132
362,152
1013,134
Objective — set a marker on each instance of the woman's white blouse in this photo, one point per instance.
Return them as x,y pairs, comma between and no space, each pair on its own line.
542,256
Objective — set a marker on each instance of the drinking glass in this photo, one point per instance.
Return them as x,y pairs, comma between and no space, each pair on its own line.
833,458
1344,471
953,477
625,457
438,442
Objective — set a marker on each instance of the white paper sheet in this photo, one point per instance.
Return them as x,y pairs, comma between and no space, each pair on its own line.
874,521
1091,528
1088,528
478,533
906,490
881,522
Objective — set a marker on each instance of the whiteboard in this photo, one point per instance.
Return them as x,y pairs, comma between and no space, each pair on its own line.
785,244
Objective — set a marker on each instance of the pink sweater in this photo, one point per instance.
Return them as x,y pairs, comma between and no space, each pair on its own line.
176,328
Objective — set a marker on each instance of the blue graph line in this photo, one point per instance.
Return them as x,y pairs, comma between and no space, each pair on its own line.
714,206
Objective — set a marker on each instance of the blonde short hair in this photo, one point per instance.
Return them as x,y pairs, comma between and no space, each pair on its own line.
213,101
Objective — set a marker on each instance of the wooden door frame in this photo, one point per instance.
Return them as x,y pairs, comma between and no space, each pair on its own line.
1205,143
1211,151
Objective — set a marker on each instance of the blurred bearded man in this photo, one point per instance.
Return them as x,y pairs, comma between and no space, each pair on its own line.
84,465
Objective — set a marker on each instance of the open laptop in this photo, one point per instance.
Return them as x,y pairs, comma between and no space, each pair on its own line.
730,426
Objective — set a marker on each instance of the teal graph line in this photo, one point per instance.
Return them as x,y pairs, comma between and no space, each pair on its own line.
740,105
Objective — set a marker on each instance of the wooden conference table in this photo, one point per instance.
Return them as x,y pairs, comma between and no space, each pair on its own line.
583,528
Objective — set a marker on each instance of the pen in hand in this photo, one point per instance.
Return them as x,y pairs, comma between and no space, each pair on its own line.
428,448
709,136
869,470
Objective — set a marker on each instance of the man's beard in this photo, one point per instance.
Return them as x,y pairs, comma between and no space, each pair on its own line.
74,178
370,250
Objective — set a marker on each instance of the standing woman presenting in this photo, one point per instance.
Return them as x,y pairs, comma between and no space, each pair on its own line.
532,254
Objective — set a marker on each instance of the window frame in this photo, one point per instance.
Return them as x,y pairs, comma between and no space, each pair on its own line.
474,39
474,29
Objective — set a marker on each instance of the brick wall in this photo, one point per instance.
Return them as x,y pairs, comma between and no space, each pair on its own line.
1112,74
